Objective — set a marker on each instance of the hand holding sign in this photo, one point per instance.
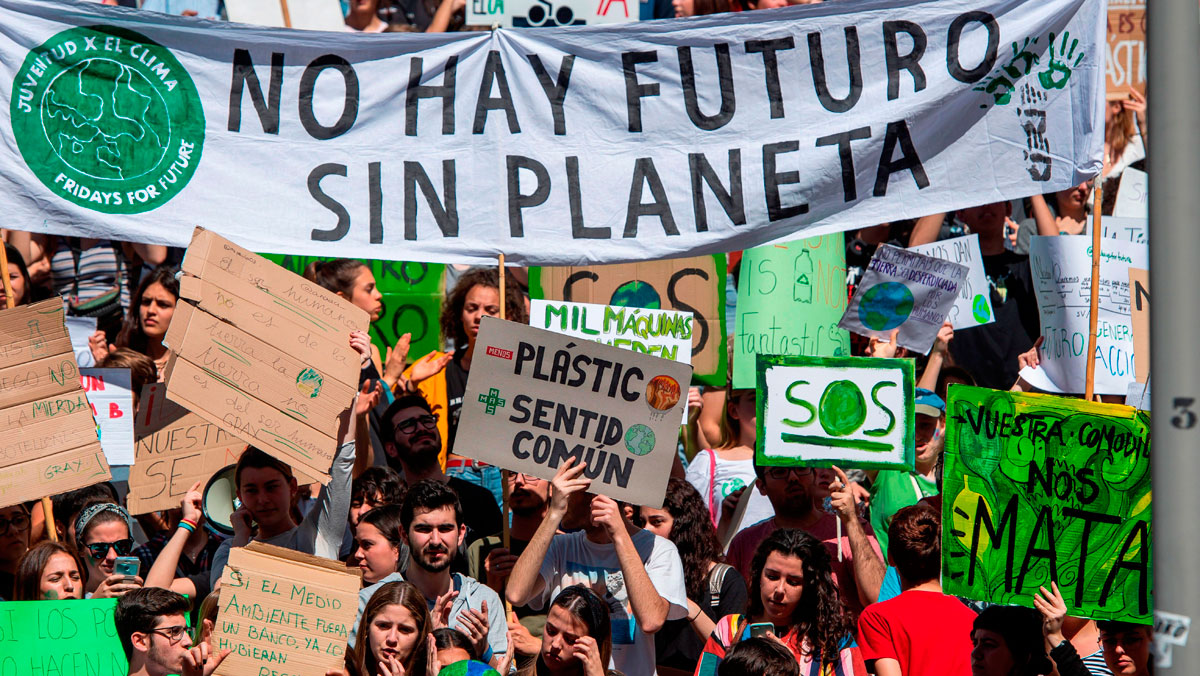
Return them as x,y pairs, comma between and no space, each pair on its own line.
565,482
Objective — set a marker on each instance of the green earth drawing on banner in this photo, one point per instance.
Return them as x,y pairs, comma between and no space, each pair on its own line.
979,307
309,383
843,408
885,306
107,119
639,439
636,294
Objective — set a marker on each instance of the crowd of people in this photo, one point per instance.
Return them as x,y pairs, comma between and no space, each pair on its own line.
825,572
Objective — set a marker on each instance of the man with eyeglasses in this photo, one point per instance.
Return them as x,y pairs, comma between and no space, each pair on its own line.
858,567
413,450
150,623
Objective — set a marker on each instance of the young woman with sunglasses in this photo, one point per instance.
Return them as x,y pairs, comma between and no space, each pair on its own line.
14,542
49,571
103,533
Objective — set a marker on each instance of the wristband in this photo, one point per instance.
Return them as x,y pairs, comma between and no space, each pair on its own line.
189,526
487,654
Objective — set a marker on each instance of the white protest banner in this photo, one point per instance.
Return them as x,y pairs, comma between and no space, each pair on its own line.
974,304
1062,278
661,333
557,146
1138,396
1133,194
108,391
80,329
48,440
535,398
1124,229
906,290
845,411
544,13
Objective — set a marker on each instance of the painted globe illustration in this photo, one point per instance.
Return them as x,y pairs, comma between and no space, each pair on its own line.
843,408
101,117
636,294
468,668
979,307
885,306
639,439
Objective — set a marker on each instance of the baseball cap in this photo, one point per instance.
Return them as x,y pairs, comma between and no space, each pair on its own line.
928,403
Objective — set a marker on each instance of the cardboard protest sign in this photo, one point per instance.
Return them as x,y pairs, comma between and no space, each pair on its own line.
284,612
844,411
540,14
1040,488
317,15
1125,50
175,448
1062,279
48,441
695,285
1139,311
1133,194
535,398
790,298
906,290
412,301
64,638
263,353
112,405
974,304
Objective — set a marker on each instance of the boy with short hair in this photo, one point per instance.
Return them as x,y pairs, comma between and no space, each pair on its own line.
153,631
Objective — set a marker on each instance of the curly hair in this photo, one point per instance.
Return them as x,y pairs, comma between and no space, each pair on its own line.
693,535
452,308
132,335
820,617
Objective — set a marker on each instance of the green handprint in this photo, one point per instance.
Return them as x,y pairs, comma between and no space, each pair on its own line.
1058,69
1021,54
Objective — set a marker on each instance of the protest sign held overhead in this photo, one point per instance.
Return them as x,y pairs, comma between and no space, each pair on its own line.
287,392
844,411
284,612
660,333
695,285
905,290
111,400
733,131
175,448
974,304
68,637
1123,228
535,398
48,441
1039,488
1062,278
1139,311
1133,194
1125,56
790,299
318,15
543,14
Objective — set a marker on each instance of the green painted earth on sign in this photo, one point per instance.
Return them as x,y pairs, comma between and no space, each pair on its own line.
639,439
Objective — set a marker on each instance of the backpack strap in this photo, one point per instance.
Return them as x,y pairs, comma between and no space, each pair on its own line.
712,483
716,580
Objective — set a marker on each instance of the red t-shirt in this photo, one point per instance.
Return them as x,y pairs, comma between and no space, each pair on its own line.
926,632
741,553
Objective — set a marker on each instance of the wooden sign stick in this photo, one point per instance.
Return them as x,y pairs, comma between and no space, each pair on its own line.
505,534
9,303
1090,382
287,16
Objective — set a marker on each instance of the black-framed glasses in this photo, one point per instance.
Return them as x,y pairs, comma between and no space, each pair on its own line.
19,522
99,550
780,473
409,425
174,633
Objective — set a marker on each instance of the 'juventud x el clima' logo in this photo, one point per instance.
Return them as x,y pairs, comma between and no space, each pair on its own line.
108,119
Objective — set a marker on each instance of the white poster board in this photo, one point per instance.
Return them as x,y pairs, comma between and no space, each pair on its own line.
1136,230
974,304
1133,195
547,13
313,15
111,397
1062,278
80,329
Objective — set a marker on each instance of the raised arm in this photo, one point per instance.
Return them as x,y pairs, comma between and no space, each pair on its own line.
869,567
649,607
937,357
162,573
926,229
1047,224
525,582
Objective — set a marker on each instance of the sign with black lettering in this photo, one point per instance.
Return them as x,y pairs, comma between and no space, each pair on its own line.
68,637
535,398
1039,488
638,143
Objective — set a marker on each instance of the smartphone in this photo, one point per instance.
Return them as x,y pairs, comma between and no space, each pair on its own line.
127,566
760,629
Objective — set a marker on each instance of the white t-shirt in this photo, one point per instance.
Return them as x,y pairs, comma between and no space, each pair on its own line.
573,559
731,475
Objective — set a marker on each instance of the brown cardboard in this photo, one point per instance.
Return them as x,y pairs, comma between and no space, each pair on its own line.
1126,49
502,422
291,291
249,419
693,285
174,449
259,369
332,355
1139,310
49,435
284,612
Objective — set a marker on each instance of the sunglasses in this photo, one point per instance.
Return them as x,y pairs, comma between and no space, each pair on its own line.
409,425
19,523
99,550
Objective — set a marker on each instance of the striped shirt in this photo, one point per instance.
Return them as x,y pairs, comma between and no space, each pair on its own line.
98,271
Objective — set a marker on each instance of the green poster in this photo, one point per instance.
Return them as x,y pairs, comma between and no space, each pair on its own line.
412,301
60,638
791,297
1040,488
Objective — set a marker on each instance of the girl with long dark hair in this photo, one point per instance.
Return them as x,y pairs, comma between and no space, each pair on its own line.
577,638
792,592
391,635
147,321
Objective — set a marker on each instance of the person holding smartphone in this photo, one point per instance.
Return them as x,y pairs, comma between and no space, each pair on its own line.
793,600
104,534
